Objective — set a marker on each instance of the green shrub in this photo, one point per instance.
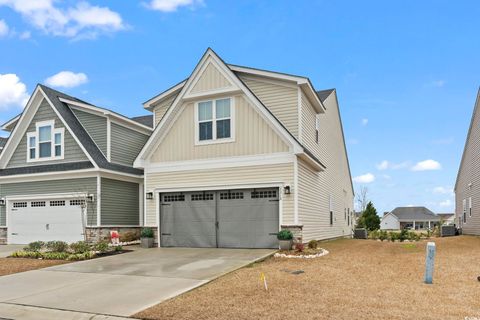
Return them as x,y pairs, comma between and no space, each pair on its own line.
57,246
118,248
383,235
80,247
413,236
373,234
26,254
101,246
55,255
35,246
81,256
131,236
393,236
146,233
403,235
313,244
285,235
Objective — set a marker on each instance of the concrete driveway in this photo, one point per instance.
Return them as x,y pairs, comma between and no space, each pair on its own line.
8,249
125,284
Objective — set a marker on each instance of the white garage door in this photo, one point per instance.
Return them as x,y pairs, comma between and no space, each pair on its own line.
45,220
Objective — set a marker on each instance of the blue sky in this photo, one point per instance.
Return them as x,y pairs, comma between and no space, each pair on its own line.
406,72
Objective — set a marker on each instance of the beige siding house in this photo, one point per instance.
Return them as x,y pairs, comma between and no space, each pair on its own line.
239,153
467,186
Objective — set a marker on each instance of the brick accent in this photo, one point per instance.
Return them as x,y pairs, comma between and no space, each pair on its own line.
96,234
3,235
297,231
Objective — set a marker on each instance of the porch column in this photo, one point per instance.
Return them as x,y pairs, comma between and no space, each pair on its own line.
413,224
429,224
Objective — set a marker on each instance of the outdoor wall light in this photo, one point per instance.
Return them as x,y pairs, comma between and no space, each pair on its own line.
149,195
90,198
2,201
286,189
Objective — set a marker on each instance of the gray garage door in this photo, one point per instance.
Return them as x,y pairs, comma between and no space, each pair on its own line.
247,218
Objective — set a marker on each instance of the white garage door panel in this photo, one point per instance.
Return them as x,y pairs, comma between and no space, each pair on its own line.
48,223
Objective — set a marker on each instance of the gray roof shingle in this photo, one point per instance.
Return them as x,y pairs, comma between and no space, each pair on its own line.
47,168
323,94
145,120
414,213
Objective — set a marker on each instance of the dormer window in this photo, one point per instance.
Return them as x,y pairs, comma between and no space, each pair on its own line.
46,143
214,121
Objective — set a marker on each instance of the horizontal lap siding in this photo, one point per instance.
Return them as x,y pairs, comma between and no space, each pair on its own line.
282,101
96,127
282,173
256,138
126,144
469,173
72,152
47,187
119,203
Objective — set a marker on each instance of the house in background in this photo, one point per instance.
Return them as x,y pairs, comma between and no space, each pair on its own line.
447,218
416,218
68,167
239,153
467,186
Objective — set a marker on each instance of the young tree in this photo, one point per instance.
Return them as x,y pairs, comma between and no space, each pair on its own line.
362,198
369,218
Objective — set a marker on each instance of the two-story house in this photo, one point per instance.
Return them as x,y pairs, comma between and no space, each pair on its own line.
467,186
239,153
66,171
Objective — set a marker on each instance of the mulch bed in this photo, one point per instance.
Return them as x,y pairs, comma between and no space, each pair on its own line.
10,265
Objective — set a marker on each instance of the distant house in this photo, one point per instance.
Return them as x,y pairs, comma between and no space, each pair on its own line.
447,218
417,218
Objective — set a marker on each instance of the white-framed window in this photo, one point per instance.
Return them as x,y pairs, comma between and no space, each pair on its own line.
464,210
317,129
214,121
330,205
46,142
470,207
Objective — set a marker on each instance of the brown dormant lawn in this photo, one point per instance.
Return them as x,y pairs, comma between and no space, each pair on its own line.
359,279
14,265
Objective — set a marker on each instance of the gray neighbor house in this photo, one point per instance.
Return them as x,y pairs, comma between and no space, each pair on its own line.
416,218
467,185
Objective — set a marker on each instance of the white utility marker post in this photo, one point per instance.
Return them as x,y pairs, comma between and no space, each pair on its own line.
429,262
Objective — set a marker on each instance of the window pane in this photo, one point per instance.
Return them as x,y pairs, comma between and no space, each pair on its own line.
32,142
223,108
45,133
223,129
32,153
58,151
45,150
205,110
205,129
58,138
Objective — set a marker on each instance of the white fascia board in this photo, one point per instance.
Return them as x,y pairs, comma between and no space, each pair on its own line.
114,115
9,123
148,104
268,74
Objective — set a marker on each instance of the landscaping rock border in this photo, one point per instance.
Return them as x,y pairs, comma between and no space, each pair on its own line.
310,256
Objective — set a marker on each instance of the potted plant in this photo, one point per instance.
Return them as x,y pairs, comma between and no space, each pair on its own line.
285,238
146,238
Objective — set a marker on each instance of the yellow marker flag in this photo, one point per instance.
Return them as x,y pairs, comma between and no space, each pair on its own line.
262,277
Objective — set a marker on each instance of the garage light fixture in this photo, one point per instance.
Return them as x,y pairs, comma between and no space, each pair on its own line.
2,201
286,189
149,195
90,198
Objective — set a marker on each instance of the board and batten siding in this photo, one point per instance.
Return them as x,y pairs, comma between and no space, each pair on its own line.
317,188
72,151
211,79
126,144
120,203
253,136
248,175
96,127
282,101
161,108
52,187
468,184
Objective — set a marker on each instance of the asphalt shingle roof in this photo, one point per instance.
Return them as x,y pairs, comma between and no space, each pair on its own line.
47,168
145,120
414,213
323,94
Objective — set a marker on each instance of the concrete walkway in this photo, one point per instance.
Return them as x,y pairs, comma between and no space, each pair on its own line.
8,249
125,284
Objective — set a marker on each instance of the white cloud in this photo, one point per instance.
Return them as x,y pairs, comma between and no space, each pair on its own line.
25,35
81,21
67,79
4,29
13,92
364,178
172,5
446,203
442,190
384,165
364,121
427,165
438,83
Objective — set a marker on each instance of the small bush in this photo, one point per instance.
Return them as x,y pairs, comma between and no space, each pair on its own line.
146,233
300,247
81,256
80,247
118,248
101,246
26,254
285,235
129,236
57,246
373,234
383,235
393,236
55,255
35,246
403,235
313,244
413,236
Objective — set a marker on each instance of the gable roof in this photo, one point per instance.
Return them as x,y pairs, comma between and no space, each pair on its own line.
145,120
414,213
475,109
324,94
77,130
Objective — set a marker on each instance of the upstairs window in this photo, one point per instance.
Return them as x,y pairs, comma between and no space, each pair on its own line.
470,207
45,143
317,129
214,121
